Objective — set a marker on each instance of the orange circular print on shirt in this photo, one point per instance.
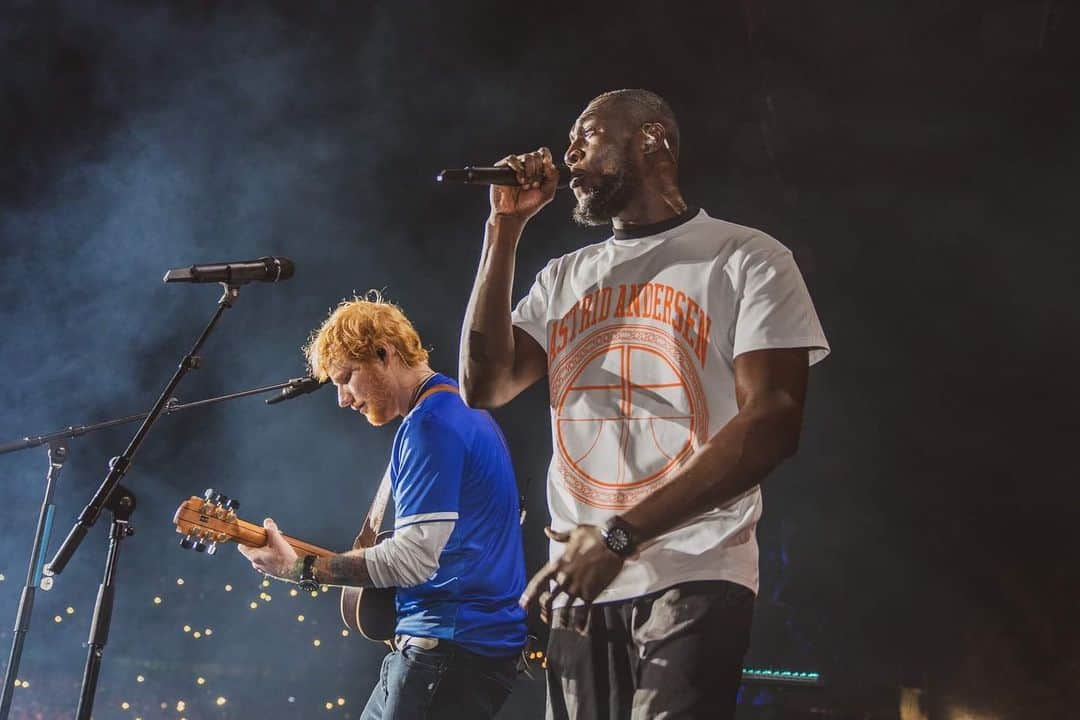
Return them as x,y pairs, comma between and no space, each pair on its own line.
629,409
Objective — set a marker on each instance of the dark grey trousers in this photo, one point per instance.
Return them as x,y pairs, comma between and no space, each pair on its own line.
676,653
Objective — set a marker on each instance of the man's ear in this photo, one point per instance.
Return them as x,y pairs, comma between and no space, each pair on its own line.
655,137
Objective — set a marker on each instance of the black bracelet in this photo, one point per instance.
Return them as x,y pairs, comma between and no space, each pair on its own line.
307,574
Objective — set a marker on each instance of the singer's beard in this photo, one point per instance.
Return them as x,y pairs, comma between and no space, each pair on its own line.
607,199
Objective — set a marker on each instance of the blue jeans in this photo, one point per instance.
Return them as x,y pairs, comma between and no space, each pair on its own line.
445,682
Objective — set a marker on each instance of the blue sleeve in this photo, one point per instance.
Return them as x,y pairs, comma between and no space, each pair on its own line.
430,460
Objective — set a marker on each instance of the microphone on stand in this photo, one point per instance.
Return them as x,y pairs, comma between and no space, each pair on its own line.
265,269
296,388
493,176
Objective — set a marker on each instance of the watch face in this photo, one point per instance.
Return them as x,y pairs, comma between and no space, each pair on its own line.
618,539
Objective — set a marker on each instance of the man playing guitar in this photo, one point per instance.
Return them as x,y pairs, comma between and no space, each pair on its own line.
455,556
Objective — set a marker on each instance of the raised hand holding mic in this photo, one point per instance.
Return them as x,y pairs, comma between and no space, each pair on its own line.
520,184
498,175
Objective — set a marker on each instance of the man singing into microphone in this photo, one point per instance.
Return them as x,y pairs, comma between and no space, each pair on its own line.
677,356
455,557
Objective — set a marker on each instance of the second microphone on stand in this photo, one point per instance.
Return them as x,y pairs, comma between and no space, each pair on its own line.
296,388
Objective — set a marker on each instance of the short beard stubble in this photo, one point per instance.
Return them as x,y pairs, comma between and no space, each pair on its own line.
609,197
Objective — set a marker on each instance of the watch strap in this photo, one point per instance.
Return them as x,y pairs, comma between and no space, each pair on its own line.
307,574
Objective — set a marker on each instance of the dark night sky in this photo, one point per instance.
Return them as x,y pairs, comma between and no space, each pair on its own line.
919,158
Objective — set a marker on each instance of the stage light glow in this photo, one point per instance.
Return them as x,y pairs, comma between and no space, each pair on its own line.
187,628
299,618
196,635
208,631
341,701
70,610
140,678
58,619
329,706
316,642
200,681
266,583
179,581
344,633
790,676
228,588
293,592
157,600
125,705
221,701
253,605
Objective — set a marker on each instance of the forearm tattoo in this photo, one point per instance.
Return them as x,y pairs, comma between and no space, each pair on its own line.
345,569
293,573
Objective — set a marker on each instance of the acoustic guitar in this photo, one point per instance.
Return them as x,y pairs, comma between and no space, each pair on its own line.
211,520
207,521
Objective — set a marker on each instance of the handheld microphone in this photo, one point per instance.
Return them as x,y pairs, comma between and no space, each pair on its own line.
265,269
296,388
493,176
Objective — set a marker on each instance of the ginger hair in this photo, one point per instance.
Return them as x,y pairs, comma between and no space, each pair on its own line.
356,329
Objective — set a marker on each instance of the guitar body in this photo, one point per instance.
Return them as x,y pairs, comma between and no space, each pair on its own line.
372,612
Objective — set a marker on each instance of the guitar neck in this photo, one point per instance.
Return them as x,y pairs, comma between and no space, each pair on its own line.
254,535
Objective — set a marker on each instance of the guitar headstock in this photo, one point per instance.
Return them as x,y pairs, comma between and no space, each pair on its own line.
204,522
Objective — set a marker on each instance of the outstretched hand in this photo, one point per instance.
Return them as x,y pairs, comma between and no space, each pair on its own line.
583,570
276,557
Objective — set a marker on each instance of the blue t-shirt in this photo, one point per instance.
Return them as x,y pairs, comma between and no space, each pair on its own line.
451,462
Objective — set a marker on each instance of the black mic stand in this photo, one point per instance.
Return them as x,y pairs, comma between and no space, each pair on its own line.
57,442
121,502
57,455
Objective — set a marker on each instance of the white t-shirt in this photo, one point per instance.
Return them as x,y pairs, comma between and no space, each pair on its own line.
641,335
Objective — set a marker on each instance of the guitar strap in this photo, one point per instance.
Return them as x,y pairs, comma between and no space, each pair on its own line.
369,531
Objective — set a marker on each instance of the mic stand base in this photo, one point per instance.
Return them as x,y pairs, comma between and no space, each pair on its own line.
122,504
57,455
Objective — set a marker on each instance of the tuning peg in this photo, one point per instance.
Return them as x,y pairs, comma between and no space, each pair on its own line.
232,504
211,548
187,542
200,546
222,500
211,495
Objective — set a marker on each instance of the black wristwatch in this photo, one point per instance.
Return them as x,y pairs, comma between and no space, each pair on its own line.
307,575
618,536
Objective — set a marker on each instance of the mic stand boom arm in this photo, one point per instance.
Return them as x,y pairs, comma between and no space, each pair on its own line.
172,406
121,506
57,442
119,465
